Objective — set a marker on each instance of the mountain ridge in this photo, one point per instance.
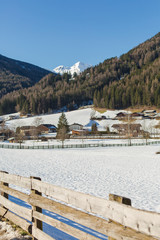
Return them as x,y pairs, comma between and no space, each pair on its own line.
131,80
16,74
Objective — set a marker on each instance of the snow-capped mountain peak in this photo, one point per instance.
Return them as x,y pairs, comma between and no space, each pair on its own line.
76,68
61,69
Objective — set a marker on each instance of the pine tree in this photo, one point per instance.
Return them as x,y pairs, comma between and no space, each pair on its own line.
63,128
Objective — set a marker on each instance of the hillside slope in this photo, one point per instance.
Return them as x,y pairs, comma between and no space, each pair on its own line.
16,75
130,80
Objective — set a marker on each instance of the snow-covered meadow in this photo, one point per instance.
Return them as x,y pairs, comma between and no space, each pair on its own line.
128,171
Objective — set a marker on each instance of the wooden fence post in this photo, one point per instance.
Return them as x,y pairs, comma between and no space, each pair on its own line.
4,184
120,199
5,195
36,223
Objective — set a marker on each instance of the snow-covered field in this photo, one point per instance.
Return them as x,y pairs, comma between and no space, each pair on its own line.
128,171
132,172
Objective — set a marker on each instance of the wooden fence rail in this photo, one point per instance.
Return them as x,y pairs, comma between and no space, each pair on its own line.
89,211
80,145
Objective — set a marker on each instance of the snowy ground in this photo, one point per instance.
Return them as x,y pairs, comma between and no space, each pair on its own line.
128,171
80,142
81,116
7,233
87,141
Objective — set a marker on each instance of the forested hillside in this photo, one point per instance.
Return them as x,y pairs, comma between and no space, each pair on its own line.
16,75
130,80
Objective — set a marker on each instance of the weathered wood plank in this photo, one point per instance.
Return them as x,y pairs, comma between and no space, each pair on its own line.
14,193
90,221
16,180
143,221
36,222
64,227
15,219
69,212
40,235
19,210
114,230
79,200
62,194
139,220
4,184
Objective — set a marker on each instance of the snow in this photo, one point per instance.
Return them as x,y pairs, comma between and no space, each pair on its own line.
76,68
127,171
7,233
81,116
131,172
92,122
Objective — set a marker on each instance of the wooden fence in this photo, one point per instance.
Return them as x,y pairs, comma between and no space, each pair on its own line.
80,145
89,211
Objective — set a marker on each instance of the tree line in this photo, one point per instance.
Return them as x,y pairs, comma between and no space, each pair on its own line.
131,80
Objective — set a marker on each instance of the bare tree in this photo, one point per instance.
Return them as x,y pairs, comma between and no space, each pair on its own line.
145,132
94,129
62,135
156,129
37,121
128,121
34,130
150,128
92,114
107,129
19,136
3,129
17,123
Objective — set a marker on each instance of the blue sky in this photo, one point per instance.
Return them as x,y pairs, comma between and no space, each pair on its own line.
49,33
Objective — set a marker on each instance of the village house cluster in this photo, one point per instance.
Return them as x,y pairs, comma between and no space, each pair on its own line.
144,114
124,126
129,128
